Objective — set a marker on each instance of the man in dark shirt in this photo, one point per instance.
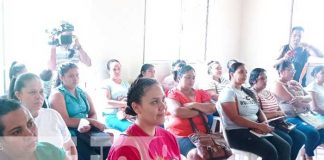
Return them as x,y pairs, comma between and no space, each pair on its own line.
298,53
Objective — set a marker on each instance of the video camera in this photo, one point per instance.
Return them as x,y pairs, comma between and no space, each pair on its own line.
56,36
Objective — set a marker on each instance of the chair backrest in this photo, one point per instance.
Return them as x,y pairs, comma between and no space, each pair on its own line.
236,152
220,112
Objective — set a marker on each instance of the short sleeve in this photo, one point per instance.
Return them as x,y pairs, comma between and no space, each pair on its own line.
227,95
175,95
106,84
126,84
62,126
203,96
311,87
48,151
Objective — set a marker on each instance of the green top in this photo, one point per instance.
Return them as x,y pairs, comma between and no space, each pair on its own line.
77,107
47,151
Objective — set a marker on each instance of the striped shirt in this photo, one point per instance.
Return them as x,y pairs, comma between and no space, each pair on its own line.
212,84
269,102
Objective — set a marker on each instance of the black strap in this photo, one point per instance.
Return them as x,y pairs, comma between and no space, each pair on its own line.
194,127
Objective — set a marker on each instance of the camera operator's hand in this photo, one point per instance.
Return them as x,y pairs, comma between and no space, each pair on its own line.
77,45
53,40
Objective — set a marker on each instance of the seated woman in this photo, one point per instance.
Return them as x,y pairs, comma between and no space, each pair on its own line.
216,82
115,91
145,139
74,104
15,70
28,90
147,71
183,103
270,107
18,135
293,100
171,80
241,114
316,89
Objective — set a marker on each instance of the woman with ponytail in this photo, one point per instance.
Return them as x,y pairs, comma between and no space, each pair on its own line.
15,70
145,139
241,115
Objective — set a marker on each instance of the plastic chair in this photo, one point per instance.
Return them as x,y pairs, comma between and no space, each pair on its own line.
319,152
216,124
238,154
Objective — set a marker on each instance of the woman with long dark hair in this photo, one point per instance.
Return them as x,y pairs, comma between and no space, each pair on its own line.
241,116
145,139
271,109
293,99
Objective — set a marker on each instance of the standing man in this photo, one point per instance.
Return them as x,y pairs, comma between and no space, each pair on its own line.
298,54
66,47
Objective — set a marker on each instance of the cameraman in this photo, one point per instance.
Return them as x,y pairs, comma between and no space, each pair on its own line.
66,47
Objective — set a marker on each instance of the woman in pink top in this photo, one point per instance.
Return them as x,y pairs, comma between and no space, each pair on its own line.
145,139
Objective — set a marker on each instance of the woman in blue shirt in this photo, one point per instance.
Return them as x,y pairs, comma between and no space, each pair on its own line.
74,104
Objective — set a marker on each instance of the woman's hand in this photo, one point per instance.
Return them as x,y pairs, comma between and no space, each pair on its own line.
77,45
121,115
97,124
190,105
85,128
288,55
280,113
263,128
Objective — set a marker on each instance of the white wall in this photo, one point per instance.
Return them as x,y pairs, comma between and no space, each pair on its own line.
265,28
223,41
107,29
118,31
2,63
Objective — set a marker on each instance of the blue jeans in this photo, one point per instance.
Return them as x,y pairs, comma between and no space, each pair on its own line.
295,138
185,145
314,137
111,121
268,148
210,119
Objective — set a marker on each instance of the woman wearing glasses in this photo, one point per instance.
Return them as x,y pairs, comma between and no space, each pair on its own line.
293,99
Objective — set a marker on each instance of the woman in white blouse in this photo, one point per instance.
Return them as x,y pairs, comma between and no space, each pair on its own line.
51,127
316,89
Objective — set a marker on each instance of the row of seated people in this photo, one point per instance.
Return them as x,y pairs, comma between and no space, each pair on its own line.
244,109
69,104
179,96
32,91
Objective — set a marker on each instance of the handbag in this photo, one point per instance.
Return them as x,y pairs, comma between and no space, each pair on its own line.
209,146
314,119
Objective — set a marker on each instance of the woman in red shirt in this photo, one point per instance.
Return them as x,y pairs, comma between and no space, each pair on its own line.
183,103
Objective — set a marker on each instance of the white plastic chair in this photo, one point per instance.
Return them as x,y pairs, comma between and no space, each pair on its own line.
237,154
319,152
216,121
